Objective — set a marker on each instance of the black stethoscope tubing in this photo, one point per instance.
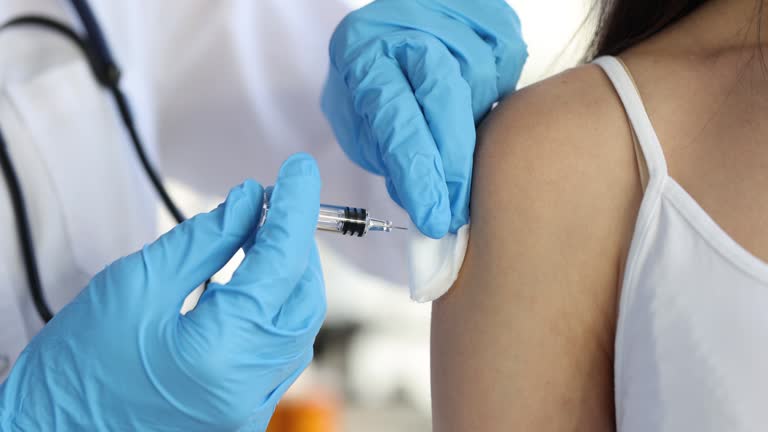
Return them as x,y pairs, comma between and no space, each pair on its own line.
107,73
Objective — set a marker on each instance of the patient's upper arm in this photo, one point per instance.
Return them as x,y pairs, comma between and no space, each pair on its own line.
524,339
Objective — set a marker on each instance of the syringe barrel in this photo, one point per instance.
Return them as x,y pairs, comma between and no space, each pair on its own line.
343,220
331,218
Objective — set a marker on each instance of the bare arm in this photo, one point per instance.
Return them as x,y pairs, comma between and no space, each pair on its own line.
524,340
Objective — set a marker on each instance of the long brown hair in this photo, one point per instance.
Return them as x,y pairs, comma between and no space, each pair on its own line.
623,23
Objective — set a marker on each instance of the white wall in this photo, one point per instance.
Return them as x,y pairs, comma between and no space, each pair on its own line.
553,31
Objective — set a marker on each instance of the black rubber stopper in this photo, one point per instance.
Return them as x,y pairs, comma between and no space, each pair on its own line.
356,224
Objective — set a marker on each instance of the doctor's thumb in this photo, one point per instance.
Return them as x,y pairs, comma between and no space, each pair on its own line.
196,249
278,259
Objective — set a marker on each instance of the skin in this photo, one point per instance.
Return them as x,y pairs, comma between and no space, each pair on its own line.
525,338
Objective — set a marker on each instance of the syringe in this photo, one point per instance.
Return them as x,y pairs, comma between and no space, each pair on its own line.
341,220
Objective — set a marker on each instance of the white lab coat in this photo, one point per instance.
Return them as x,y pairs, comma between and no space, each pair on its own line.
222,91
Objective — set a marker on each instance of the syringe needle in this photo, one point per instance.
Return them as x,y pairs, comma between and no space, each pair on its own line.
400,228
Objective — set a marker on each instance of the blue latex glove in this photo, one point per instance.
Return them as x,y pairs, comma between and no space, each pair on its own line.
408,81
120,357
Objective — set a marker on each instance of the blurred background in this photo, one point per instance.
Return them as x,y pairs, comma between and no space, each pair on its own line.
372,358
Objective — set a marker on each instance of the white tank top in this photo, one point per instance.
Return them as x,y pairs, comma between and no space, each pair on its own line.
692,333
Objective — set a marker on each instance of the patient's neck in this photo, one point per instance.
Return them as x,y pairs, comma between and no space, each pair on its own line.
725,25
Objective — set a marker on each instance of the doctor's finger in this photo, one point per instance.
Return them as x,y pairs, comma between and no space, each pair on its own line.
493,69
353,137
274,265
236,318
385,98
446,101
194,250
509,48
304,310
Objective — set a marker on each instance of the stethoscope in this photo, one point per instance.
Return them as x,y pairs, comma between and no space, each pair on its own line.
95,48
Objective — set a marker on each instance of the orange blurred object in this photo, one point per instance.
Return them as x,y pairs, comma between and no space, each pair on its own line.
319,412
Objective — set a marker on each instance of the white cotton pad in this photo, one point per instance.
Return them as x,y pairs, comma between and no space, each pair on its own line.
434,264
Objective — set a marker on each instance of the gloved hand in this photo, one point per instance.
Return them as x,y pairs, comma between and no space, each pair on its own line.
409,80
121,357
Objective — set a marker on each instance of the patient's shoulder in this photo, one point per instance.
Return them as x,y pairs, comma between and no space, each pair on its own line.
574,112
558,158
554,198
563,144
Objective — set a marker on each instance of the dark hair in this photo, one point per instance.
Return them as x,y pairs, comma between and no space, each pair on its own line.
623,23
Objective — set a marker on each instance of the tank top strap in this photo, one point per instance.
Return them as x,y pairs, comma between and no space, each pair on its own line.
642,128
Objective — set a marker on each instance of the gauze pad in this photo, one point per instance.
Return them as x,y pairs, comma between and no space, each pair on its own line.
434,264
